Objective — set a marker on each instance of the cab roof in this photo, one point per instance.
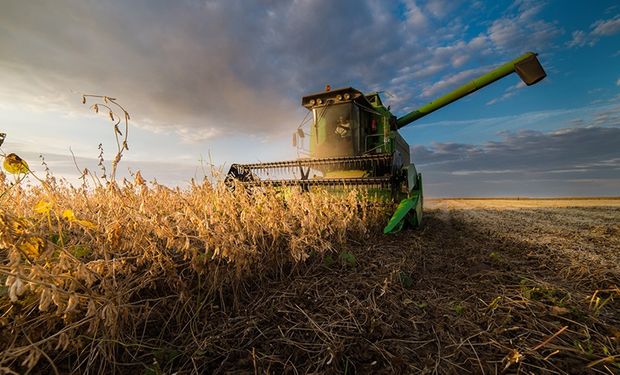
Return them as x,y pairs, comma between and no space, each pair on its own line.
337,96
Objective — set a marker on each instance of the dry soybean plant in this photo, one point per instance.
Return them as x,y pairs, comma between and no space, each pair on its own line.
110,105
94,276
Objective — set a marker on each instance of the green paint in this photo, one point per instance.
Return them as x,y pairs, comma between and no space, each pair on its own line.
409,210
397,221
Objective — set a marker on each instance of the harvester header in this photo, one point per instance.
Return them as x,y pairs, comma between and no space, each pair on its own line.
353,141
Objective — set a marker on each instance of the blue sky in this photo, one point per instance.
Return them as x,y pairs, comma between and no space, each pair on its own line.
222,81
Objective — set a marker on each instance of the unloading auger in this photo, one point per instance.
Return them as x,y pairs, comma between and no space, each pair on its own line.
354,142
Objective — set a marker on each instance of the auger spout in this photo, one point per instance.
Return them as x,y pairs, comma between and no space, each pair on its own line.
526,66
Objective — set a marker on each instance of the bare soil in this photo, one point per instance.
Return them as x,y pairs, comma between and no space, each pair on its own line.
486,286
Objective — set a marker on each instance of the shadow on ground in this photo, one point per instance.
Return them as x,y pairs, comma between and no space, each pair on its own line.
450,298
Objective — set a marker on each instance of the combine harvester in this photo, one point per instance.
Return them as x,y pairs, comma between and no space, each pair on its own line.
354,143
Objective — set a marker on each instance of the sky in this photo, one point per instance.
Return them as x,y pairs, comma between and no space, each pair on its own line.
210,83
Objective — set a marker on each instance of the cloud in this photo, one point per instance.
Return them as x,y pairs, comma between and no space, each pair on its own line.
606,27
415,17
451,54
522,30
598,29
509,92
552,160
222,67
171,66
450,81
208,69
408,73
440,8
522,158
529,150
580,39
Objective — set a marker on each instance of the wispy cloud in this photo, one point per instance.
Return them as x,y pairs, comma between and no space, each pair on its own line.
598,29
523,28
606,27
509,92
459,55
450,81
580,39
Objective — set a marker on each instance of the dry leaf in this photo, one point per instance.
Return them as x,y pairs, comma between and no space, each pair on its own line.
32,246
86,224
512,358
139,180
557,310
15,165
68,214
42,207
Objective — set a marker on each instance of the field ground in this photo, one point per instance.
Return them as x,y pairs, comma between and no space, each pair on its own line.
486,286
522,202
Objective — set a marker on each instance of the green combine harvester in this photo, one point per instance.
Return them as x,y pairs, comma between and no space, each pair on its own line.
354,143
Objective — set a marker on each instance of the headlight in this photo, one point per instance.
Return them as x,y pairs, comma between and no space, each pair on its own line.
319,101
311,102
339,97
347,96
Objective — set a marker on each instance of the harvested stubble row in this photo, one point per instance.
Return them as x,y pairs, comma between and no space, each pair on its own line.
94,278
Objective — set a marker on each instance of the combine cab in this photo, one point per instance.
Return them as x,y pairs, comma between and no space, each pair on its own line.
354,143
